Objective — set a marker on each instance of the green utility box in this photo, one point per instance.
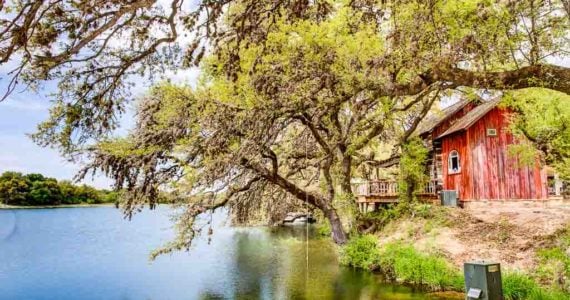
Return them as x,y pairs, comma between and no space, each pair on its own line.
448,198
483,280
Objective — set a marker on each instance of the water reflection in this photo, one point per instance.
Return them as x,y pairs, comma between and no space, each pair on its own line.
279,263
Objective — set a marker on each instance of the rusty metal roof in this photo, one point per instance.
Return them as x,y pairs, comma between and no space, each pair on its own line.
471,117
429,123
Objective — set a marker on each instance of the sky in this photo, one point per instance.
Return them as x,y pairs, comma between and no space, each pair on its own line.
20,114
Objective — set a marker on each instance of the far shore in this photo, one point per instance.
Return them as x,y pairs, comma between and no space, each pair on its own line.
4,206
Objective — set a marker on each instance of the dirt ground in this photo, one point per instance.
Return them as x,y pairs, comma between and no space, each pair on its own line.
509,233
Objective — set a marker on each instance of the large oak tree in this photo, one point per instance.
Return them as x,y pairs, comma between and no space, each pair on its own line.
330,77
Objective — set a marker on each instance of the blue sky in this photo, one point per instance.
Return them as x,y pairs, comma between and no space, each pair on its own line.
24,110
20,114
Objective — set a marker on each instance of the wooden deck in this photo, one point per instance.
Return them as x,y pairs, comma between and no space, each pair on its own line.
387,191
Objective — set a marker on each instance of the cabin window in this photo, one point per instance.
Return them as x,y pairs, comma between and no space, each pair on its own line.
491,132
454,163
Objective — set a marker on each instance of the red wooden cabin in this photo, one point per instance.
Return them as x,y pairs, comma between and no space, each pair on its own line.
469,153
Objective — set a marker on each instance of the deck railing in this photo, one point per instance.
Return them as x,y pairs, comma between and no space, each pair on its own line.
389,188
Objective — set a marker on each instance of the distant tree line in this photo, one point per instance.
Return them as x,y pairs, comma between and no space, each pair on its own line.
36,189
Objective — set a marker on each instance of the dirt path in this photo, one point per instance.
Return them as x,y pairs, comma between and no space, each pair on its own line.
509,234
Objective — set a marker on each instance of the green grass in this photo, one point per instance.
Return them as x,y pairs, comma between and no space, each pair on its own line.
434,216
519,286
542,294
554,261
403,263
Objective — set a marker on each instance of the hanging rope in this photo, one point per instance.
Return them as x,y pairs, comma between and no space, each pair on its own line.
210,229
307,216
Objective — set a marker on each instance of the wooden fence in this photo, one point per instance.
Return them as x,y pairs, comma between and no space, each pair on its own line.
390,189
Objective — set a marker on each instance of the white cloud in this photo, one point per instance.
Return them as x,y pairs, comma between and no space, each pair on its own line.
563,61
184,76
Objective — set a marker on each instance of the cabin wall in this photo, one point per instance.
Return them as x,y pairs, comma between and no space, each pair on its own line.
435,166
488,171
458,181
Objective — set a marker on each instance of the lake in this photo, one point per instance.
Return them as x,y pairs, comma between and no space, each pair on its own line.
94,253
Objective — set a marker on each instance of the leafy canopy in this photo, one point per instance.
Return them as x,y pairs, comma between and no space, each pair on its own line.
97,52
542,123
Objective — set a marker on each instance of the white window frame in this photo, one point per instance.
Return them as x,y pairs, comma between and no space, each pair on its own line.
453,154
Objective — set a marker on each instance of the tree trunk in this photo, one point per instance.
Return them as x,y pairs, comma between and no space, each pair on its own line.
339,236
346,175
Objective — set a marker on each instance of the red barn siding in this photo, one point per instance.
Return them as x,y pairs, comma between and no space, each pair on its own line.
487,171
459,181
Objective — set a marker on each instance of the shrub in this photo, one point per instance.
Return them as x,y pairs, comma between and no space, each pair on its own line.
361,252
406,264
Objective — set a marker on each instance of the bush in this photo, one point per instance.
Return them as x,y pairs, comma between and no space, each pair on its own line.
361,252
406,264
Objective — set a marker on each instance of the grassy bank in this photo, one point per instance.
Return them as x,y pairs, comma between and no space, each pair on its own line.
405,264
413,247
402,263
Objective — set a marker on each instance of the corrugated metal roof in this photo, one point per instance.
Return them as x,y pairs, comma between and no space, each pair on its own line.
471,117
432,121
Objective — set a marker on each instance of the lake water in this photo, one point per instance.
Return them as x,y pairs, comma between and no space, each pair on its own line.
93,253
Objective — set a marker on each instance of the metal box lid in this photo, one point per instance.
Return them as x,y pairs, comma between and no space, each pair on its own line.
481,263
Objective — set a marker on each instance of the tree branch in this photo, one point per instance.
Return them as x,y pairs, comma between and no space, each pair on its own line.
546,76
299,193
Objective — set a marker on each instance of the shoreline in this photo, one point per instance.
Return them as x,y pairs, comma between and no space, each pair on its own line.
9,207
